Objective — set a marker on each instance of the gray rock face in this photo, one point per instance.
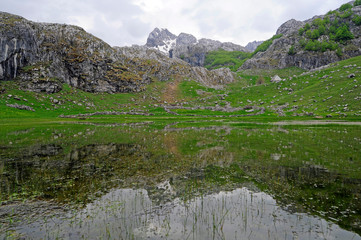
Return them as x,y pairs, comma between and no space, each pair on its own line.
159,37
253,45
185,39
289,27
187,47
54,54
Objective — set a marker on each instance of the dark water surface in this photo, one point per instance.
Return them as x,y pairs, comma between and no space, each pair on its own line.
180,181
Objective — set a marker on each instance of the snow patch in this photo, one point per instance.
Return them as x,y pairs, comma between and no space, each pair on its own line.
168,45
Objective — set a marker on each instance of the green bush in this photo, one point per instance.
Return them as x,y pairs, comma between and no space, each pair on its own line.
343,34
331,12
292,50
307,26
301,31
347,14
328,46
315,34
313,46
339,52
317,22
303,42
357,3
322,29
357,20
345,6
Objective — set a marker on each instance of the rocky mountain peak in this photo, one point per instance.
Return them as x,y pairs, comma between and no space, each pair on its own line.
160,37
289,26
186,39
251,46
186,47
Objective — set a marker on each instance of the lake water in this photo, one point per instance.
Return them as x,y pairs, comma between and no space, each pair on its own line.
180,181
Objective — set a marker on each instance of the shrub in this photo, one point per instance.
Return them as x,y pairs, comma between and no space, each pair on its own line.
260,80
339,52
347,14
313,46
322,29
343,34
328,46
315,34
357,3
326,20
303,42
317,22
357,20
345,6
292,50
301,31
307,26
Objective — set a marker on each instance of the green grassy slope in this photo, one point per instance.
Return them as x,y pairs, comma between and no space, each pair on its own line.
329,91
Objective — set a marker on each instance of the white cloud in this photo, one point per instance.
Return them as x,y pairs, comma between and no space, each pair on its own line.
124,22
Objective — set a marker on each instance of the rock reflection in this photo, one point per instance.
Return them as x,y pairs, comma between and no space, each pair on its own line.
238,214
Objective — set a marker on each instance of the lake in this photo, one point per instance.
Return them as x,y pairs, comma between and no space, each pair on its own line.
182,180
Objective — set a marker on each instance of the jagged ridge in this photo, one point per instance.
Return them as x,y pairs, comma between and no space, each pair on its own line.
187,47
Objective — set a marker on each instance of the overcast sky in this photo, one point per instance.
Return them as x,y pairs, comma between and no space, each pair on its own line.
127,22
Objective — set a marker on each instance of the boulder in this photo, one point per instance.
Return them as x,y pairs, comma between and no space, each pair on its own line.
276,79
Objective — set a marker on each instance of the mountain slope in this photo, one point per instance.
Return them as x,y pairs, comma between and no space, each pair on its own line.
43,57
314,42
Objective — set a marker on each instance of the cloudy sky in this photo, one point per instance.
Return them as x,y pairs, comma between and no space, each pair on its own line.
127,22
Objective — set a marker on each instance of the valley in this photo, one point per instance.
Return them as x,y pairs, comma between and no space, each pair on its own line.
181,138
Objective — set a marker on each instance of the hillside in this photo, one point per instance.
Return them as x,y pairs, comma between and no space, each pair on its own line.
332,92
315,42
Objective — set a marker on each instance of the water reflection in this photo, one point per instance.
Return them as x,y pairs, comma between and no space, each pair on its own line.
238,214
256,182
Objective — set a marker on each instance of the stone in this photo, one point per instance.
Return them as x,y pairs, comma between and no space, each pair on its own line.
21,107
276,79
289,27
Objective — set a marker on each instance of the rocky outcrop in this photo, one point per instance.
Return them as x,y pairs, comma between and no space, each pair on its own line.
161,39
290,50
289,27
48,54
251,46
186,46
42,57
215,78
21,107
155,65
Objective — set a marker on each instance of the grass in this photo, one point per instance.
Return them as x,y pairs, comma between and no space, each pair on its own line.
221,58
319,93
